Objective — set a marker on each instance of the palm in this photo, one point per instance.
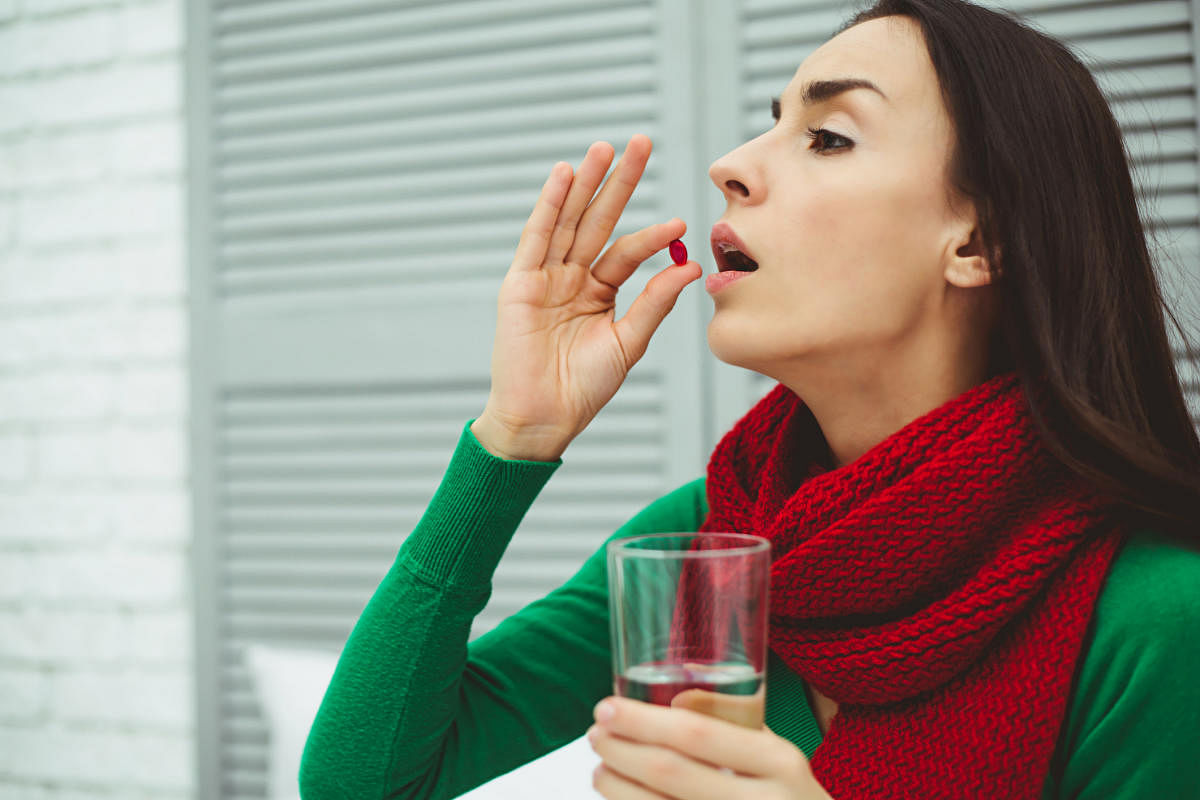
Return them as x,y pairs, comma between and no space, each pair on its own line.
561,321
559,356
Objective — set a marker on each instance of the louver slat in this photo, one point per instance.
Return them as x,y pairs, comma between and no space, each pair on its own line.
281,20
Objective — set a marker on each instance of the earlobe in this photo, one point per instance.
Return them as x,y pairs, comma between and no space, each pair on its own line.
969,272
968,265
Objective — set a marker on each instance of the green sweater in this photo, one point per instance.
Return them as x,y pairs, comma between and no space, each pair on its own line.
414,710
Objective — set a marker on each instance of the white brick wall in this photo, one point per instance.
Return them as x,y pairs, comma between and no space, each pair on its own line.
95,594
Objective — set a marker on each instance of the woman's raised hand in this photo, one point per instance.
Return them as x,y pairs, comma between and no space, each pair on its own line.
558,355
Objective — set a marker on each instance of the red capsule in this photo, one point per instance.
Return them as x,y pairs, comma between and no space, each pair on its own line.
678,252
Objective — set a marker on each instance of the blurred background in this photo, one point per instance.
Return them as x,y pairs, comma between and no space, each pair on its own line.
249,258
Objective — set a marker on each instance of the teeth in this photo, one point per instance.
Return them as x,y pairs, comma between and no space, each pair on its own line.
726,247
735,258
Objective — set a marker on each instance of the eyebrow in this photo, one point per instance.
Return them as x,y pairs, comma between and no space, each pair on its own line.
820,91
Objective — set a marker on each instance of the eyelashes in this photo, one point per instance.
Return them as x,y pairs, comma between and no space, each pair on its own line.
818,133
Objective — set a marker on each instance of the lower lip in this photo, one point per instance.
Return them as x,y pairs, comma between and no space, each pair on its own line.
719,280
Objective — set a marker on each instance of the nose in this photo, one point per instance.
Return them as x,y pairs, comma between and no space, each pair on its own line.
733,176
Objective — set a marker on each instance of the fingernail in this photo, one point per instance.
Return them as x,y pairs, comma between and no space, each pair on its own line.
604,711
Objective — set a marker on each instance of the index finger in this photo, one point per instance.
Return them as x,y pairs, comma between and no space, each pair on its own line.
601,216
749,752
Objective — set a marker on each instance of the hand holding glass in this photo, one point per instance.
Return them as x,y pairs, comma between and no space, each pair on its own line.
689,612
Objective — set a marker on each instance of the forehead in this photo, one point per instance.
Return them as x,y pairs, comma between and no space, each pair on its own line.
888,51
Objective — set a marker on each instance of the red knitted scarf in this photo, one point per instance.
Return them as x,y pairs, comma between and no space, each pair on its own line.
938,588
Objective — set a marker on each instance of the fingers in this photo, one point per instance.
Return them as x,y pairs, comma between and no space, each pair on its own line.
650,308
616,786
636,767
749,752
601,216
591,172
628,252
535,236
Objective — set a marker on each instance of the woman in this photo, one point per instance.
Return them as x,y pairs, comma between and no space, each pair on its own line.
977,470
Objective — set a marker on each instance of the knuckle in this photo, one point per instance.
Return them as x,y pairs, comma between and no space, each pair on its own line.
695,732
605,220
663,766
661,296
787,759
627,180
781,763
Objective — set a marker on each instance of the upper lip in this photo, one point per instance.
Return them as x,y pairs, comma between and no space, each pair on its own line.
722,233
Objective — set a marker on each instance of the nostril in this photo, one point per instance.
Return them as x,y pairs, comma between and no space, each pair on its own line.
737,186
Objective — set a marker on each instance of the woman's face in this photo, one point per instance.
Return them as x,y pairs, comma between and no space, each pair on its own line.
853,233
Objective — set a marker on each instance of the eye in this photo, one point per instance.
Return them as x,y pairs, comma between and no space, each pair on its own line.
817,133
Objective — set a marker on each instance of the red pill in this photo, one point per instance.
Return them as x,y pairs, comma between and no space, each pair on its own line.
678,252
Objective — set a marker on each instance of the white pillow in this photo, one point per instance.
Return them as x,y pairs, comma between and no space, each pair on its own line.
565,772
291,683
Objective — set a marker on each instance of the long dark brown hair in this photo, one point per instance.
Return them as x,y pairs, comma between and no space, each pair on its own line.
1081,313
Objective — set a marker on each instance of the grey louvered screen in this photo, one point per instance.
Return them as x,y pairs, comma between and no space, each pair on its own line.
1143,56
361,171
314,485
354,140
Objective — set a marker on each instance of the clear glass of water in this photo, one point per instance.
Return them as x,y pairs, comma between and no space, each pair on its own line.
688,611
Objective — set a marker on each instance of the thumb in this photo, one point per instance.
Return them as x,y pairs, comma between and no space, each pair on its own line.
652,306
740,709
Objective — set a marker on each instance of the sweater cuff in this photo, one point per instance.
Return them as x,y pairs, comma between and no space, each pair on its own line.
473,515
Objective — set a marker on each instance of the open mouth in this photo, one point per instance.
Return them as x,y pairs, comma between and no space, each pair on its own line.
730,257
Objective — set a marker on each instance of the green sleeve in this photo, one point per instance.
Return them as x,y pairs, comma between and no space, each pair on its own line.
413,708
1133,730
533,680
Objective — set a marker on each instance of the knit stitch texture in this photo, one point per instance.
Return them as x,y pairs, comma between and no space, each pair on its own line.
938,588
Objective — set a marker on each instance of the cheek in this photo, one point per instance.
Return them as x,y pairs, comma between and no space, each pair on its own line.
870,235
861,274
857,269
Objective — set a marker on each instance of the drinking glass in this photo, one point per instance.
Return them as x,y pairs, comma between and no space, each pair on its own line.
689,611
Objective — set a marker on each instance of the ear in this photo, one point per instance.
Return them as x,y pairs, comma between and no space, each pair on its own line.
968,266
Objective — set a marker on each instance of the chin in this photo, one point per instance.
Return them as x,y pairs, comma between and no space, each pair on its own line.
742,341
733,341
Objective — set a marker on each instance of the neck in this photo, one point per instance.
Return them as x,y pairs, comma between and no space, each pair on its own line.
859,405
